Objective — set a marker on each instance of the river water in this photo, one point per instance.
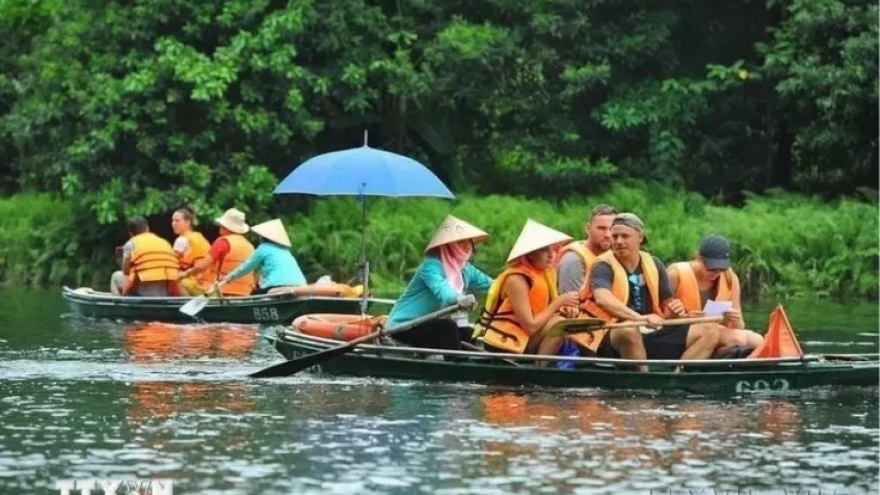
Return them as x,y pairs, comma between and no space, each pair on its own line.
84,399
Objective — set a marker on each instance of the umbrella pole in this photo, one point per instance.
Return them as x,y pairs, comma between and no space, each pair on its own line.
365,265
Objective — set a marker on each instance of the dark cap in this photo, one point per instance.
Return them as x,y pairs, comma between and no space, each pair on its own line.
631,221
715,251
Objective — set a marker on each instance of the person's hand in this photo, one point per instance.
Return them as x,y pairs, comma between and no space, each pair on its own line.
653,321
733,319
569,311
695,314
217,287
677,308
569,299
466,301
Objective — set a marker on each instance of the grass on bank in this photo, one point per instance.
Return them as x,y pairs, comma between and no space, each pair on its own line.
784,245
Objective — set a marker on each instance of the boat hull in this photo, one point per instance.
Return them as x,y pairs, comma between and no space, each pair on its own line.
265,309
372,361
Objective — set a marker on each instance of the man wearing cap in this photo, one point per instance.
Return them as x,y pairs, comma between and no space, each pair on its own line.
627,283
444,278
709,276
577,257
228,251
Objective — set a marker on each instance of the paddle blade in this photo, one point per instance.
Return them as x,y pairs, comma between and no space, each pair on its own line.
296,365
780,340
194,306
572,326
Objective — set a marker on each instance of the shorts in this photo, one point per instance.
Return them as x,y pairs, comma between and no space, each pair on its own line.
667,342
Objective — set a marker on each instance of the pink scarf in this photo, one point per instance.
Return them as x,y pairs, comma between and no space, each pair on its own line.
454,257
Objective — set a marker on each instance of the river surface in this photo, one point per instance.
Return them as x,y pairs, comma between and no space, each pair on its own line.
84,399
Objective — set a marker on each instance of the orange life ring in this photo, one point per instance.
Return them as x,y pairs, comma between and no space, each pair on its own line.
338,326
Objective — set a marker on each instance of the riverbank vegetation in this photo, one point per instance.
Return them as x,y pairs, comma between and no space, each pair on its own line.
115,109
783,245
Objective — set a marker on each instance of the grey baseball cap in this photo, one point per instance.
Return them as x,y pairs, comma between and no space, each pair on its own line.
715,251
632,221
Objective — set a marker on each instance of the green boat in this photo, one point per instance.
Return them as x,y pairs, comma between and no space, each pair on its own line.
715,376
268,309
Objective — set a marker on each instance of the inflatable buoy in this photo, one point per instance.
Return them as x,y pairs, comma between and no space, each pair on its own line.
332,289
338,326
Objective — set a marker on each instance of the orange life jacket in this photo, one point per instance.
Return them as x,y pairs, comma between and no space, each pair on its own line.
688,289
197,248
497,321
620,289
152,260
240,249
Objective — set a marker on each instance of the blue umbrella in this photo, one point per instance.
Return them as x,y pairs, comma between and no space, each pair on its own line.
362,172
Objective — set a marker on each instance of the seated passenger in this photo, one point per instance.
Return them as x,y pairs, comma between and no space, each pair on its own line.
278,268
227,252
627,283
149,265
444,278
190,246
523,302
709,276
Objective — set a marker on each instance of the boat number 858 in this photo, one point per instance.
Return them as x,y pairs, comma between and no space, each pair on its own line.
776,385
266,314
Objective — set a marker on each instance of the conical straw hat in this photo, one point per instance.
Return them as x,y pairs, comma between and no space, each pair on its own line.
535,236
453,230
274,231
233,220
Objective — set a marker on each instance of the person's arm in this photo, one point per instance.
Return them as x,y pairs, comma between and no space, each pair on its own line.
672,276
434,278
253,262
672,307
601,281
571,273
477,280
180,246
736,299
516,288
127,249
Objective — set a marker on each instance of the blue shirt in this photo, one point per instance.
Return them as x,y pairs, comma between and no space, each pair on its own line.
278,268
429,291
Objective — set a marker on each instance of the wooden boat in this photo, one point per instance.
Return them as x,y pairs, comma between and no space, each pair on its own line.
276,308
716,376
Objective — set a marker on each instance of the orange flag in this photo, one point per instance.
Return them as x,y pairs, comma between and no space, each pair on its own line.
779,341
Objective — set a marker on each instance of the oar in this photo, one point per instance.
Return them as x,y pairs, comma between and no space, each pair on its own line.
296,365
571,326
195,305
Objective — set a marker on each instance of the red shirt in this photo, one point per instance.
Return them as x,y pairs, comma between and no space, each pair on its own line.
219,249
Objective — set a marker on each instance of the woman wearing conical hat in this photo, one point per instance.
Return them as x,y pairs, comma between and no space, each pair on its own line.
278,267
444,278
523,302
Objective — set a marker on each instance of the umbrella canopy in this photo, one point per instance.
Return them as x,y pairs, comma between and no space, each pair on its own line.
363,171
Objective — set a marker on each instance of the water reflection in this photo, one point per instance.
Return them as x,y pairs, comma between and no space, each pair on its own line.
156,341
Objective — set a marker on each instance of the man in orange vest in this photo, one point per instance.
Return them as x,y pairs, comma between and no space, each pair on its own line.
149,265
228,251
577,258
710,276
627,283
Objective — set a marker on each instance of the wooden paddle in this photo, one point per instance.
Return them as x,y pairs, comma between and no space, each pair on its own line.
571,326
296,365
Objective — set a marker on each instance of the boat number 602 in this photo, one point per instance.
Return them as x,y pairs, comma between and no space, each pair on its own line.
776,385
266,314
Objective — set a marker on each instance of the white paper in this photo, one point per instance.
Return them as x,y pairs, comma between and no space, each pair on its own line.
717,308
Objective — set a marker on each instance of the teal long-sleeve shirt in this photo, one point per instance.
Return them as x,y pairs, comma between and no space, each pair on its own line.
278,267
429,291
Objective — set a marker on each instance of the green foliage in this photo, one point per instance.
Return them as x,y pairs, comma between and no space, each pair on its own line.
40,244
784,245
